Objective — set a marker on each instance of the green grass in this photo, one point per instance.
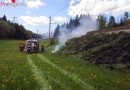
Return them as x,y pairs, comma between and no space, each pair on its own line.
47,71
15,73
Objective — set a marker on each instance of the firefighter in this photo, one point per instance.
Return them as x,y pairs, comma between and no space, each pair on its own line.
29,49
21,47
42,48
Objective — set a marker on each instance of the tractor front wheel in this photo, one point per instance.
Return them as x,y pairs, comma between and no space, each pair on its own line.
29,51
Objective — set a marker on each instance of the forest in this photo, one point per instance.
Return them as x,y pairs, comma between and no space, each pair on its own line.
105,23
13,30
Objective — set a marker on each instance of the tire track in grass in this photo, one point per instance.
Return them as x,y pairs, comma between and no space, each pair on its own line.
42,81
75,78
58,82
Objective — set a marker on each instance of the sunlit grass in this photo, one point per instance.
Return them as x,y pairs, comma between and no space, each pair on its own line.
16,73
98,76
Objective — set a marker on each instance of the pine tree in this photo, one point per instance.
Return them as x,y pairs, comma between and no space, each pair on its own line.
102,21
112,22
121,22
76,21
126,15
56,32
4,18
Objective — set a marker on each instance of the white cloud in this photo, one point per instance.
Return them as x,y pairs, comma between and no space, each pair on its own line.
42,20
27,12
20,1
60,19
37,20
34,3
8,1
96,7
73,2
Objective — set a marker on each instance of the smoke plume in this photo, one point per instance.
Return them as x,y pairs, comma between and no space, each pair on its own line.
87,24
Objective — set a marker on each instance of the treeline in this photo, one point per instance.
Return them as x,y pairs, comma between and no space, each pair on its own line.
10,30
112,22
103,21
71,25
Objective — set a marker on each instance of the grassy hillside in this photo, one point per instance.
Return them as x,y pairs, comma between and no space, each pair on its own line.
47,71
102,48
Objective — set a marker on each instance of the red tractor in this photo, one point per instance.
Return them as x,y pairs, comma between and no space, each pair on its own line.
31,45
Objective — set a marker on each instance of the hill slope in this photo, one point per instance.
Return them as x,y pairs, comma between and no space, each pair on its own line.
102,48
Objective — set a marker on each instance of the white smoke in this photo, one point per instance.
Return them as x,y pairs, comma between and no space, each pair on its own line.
87,24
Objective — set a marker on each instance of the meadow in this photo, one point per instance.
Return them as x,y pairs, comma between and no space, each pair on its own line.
47,71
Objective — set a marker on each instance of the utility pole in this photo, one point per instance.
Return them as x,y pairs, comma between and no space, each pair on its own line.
50,29
37,34
14,19
50,32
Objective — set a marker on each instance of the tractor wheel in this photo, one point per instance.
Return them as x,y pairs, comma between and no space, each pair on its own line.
29,51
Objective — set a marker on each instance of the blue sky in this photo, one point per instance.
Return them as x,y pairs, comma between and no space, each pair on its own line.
35,13
51,7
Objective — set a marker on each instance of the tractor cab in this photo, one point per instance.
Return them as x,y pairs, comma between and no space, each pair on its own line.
30,46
